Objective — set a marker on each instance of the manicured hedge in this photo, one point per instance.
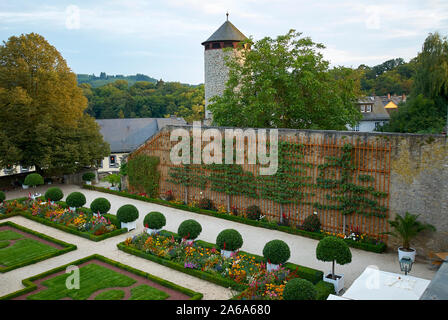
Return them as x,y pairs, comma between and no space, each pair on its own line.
154,220
189,229
2,196
31,286
54,194
101,205
229,239
33,179
378,248
67,247
76,199
299,289
127,213
310,274
276,251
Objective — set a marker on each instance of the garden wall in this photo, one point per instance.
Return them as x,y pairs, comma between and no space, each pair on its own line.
382,174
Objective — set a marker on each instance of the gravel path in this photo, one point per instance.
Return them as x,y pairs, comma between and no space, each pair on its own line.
302,249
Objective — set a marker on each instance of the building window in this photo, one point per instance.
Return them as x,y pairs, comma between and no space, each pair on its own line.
100,165
378,125
363,108
216,45
356,128
369,108
113,161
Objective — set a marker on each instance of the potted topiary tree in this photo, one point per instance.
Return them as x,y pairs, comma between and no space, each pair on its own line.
33,180
335,250
75,200
114,180
299,289
127,215
53,194
229,240
100,206
189,230
406,228
154,222
88,177
276,252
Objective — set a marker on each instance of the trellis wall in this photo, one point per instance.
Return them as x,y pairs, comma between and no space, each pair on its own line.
345,179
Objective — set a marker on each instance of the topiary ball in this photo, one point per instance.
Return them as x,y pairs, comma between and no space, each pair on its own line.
33,179
154,220
75,199
229,239
333,249
2,196
311,223
88,176
127,213
54,194
253,212
189,229
101,205
299,289
276,252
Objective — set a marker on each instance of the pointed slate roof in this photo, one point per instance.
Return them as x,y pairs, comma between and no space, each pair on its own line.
226,32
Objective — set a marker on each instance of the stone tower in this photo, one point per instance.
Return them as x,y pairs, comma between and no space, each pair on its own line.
216,72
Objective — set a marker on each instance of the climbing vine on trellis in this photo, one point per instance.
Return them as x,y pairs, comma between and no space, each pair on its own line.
349,197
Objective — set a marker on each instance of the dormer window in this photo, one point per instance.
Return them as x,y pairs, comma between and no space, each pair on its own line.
216,45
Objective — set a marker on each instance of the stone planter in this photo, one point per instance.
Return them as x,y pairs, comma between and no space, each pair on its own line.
152,231
24,186
129,225
89,183
113,188
406,254
35,195
72,209
337,283
227,253
188,242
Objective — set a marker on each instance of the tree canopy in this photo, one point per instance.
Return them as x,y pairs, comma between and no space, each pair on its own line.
42,120
286,83
426,109
145,100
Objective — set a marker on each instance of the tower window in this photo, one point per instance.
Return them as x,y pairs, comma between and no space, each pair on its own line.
228,45
216,45
207,46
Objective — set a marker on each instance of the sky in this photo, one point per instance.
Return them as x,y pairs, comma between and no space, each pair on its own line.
162,39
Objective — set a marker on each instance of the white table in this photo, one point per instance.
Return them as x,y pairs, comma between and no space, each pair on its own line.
374,284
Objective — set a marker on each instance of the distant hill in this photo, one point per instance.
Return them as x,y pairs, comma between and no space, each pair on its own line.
104,79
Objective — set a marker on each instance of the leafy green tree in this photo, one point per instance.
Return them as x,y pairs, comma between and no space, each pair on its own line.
42,120
426,110
284,83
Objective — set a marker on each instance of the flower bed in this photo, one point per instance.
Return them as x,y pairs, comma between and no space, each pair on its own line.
242,271
81,222
100,274
369,244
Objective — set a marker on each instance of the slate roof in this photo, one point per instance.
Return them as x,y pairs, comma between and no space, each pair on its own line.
226,32
125,135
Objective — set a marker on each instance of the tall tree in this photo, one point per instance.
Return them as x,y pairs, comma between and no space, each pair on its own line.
42,120
284,83
426,110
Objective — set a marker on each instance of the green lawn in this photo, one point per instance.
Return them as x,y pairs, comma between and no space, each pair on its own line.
94,277
22,251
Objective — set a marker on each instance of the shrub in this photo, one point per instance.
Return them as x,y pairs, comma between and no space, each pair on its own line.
127,213
206,204
276,252
113,179
33,179
333,249
311,223
76,199
229,239
189,229
101,205
113,219
253,212
88,176
323,290
299,289
54,194
2,196
154,220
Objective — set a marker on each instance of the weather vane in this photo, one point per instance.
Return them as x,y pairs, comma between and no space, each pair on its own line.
227,14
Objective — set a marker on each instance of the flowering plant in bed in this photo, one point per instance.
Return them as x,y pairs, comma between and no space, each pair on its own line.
241,268
80,219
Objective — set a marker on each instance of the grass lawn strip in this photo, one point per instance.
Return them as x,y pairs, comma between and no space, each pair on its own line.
20,246
100,279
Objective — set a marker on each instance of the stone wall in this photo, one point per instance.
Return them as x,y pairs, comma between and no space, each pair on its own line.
416,173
